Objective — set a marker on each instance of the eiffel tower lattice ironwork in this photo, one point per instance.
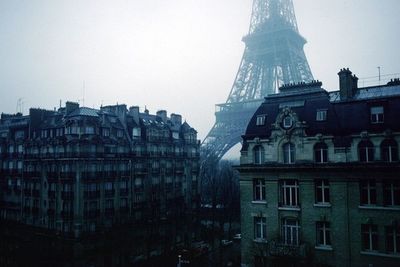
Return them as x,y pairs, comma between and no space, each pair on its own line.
273,56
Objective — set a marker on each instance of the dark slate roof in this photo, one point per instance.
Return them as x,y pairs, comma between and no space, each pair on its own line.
84,111
343,117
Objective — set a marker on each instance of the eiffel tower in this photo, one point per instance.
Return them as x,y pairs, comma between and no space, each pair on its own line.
273,56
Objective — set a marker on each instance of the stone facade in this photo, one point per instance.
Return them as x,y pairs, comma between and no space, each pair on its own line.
319,177
79,170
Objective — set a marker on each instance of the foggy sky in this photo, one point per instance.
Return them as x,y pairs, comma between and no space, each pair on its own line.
178,55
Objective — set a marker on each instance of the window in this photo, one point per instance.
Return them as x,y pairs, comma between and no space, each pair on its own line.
136,133
321,153
259,190
391,193
287,122
368,192
260,228
290,232
323,234
392,234
260,120
389,150
322,191
366,151
258,155
106,132
288,153
175,135
377,114
120,134
89,130
321,115
369,237
289,193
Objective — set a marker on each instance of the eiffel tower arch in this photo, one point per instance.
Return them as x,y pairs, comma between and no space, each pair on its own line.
273,56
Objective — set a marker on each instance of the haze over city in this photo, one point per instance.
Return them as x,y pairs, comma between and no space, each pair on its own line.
177,55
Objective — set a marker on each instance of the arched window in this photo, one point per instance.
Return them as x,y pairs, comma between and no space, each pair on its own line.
288,153
389,150
366,151
321,153
258,155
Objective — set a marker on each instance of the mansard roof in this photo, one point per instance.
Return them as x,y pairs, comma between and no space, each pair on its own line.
344,117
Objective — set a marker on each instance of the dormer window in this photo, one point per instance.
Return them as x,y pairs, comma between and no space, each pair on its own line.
287,122
321,115
106,132
377,114
261,120
136,133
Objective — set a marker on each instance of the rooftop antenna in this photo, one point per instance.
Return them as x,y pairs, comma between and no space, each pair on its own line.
20,105
379,74
84,87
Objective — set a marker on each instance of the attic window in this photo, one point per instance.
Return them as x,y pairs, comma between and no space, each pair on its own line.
175,135
377,115
261,120
321,115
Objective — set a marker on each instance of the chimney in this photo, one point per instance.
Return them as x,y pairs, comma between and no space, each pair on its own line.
176,119
162,114
71,106
134,112
348,84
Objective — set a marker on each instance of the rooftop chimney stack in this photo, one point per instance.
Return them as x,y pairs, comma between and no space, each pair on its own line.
348,84
70,107
176,119
134,112
163,115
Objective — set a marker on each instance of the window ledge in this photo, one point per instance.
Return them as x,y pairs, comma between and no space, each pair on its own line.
395,208
259,202
260,241
373,253
322,205
289,208
325,248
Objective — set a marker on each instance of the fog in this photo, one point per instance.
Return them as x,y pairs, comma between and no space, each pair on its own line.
178,55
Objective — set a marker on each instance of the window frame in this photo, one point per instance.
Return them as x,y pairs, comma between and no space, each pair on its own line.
260,228
261,119
324,187
290,232
289,193
368,192
258,152
391,193
321,115
259,190
389,150
366,151
392,239
289,153
377,117
369,237
323,233
321,152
